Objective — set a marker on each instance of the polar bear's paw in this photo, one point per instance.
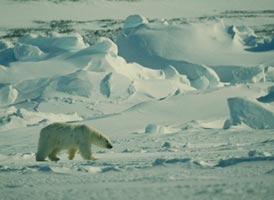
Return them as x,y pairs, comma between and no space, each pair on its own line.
54,158
92,158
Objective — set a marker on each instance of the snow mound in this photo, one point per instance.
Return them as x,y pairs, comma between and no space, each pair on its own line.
26,52
157,46
32,88
174,42
133,21
80,83
243,34
37,47
158,129
206,77
107,76
116,86
40,116
206,52
102,57
55,42
102,46
173,74
8,94
128,78
249,75
154,128
22,118
177,42
251,113
90,84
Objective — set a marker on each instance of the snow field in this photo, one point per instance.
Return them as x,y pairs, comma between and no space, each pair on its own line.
213,157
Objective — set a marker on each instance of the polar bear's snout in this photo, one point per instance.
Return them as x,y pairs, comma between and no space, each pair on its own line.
109,146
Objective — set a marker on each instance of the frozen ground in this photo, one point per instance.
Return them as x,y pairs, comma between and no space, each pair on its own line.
184,90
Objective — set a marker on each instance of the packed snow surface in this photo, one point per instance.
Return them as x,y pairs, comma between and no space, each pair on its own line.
183,89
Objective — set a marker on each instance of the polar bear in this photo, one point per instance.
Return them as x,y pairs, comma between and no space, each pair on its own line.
58,136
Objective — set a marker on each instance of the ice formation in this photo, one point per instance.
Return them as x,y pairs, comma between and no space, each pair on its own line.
25,52
251,113
8,94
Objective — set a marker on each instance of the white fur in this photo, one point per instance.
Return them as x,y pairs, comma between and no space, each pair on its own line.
58,136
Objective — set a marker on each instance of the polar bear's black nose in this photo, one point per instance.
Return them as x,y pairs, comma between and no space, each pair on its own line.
109,146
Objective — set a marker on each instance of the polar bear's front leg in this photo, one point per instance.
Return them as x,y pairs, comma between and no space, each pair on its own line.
85,151
43,151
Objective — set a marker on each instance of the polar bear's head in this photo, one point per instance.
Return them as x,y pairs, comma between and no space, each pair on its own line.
98,138
102,141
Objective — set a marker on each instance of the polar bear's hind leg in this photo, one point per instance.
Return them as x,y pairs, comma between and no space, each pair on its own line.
53,155
72,152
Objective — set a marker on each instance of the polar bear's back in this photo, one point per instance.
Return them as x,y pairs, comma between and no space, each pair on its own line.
56,129
62,134
59,127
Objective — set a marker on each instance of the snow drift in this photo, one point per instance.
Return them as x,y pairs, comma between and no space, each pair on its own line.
14,117
25,52
55,42
153,60
104,74
158,46
90,74
35,47
204,52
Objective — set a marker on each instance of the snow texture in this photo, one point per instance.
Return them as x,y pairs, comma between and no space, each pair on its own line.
184,90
